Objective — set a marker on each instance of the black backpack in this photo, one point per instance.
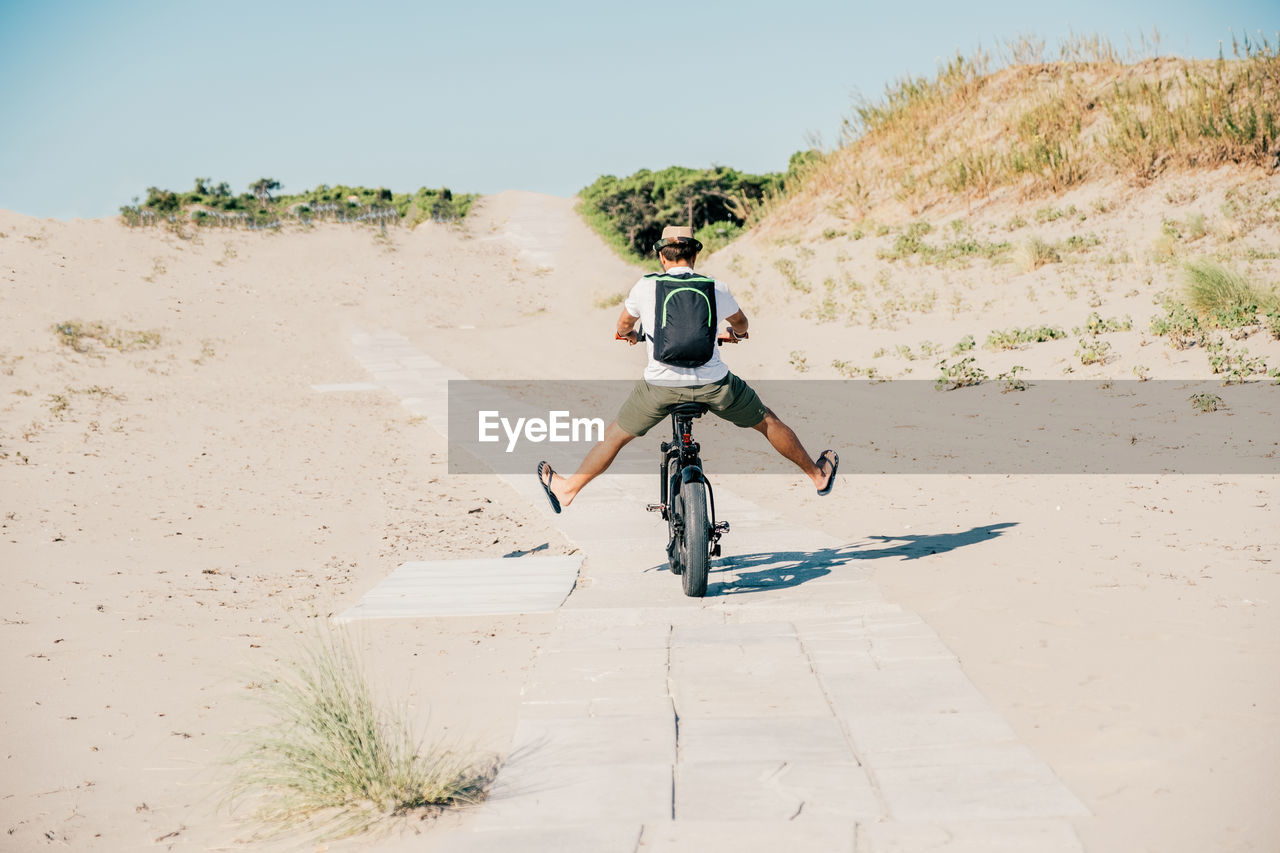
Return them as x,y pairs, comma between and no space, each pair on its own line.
684,318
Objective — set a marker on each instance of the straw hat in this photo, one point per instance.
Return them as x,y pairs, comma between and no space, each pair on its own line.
677,234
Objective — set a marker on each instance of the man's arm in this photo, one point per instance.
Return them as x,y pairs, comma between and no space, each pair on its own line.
738,322
627,325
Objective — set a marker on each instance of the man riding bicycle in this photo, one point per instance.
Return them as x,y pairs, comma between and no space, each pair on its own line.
684,366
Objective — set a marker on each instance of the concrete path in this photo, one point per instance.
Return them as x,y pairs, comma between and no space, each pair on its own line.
793,708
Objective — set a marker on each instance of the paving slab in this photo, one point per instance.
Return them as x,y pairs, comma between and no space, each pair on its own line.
596,740
817,740
589,838
593,663
1008,836
887,733
757,836
528,793
478,586
739,634
346,386
708,695
774,790
619,687
926,687
1005,785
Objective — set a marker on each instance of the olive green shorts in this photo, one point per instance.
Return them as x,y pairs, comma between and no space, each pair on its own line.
730,398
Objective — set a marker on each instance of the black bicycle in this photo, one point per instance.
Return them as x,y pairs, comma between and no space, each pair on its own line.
686,500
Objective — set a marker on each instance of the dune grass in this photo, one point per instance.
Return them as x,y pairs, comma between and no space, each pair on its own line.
84,337
1223,296
333,763
1043,124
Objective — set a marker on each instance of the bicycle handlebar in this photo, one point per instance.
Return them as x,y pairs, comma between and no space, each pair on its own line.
729,336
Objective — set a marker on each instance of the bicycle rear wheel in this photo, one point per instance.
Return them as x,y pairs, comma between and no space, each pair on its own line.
672,489
694,545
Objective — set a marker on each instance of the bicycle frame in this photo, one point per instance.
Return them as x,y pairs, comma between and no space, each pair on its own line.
682,463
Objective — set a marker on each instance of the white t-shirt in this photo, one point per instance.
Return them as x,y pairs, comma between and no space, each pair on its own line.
641,303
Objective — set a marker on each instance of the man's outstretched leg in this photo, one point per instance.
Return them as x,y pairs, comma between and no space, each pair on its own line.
822,471
597,460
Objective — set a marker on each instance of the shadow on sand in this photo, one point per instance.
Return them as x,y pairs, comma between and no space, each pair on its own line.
742,573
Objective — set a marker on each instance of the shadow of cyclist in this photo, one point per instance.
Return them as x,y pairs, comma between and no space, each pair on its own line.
742,573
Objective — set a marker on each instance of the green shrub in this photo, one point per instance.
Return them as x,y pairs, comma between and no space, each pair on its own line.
1095,324
1179,324
206,201
1093,352
631,212
1014,338
1012,379
1234,366
958,375
716,235
849,370
1271,320
1205,403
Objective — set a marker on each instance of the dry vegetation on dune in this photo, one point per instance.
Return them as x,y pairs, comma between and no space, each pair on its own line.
334,762
1036,127
1007,204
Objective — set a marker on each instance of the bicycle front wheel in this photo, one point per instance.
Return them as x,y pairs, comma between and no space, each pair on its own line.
694,544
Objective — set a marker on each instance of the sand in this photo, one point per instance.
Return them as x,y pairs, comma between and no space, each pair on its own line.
178,510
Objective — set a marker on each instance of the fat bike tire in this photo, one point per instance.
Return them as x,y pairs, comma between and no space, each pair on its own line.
673,524
694,548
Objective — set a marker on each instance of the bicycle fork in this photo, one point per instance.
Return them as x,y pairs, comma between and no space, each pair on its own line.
688,468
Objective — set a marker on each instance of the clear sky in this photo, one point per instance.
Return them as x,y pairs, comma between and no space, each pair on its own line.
99,100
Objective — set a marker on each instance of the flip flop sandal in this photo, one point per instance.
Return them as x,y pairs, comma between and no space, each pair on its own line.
834,458
546,485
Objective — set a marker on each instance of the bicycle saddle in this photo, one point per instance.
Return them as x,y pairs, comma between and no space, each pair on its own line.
692,409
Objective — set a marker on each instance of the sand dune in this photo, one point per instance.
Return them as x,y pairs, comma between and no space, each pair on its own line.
179,504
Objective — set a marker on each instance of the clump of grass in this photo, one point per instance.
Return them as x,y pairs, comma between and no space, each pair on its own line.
1036,253
791,273
960,374
1081,242
334,763
1205,403
1093,352
799,361
1225,297
849,370
1053,214
963,345
1194,226
1234,366
1012,379
1179,324
1095,324
1271,320
1015,338
84,337
828,309
609,300
962,249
